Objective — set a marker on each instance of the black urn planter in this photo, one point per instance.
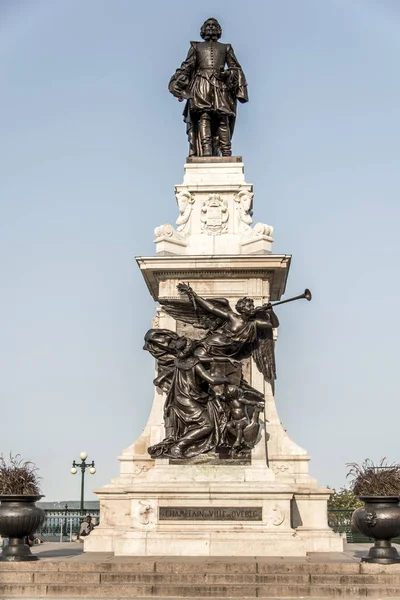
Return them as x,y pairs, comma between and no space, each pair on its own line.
379,518
19,517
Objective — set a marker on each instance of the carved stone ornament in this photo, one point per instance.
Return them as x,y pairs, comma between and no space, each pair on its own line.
260,230
276,516
214,215
145,512
156,319
140,469
185,202
244,204
280,469
263,229
168,231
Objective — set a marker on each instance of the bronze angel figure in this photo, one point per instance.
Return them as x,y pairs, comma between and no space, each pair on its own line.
236,335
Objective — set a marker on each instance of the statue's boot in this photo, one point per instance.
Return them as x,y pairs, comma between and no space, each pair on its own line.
224,135
205,134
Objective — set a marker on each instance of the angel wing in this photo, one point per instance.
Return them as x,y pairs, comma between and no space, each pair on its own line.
263,349
263,353
189,311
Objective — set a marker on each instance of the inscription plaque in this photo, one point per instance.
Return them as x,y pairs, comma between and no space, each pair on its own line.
209,513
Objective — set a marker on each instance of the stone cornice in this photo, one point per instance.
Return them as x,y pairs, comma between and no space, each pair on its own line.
272,267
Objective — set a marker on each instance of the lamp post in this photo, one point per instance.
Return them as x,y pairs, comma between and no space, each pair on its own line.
83,466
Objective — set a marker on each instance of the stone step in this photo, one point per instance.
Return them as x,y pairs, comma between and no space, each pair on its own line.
205,578
48,578
197,578
206,591
57,578
197,565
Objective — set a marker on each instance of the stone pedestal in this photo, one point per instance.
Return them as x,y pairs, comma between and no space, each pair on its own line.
215,213
267,505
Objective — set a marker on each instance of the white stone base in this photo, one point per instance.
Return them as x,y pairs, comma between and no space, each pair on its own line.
293,517
201,540
206,543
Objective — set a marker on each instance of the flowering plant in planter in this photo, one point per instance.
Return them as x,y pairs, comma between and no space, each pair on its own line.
378,486
19,515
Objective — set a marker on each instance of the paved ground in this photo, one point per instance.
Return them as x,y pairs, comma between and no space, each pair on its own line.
74,551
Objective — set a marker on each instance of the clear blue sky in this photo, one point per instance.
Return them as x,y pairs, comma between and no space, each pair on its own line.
92,144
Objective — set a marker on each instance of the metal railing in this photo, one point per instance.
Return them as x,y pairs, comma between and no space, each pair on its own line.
64,524
340,521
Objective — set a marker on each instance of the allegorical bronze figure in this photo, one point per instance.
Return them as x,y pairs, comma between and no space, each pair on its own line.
199,417
190,411
209,406
211,92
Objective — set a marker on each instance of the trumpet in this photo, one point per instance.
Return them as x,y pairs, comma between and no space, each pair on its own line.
306,294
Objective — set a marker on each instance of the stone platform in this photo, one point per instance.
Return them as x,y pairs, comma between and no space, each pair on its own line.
65,572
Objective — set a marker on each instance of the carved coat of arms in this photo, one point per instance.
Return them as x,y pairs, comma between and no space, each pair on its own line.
214,215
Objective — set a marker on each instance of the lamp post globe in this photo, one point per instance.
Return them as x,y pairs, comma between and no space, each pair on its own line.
92,470
74,470
83,455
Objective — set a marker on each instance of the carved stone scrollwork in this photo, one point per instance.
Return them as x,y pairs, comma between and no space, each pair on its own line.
214,215
167,231
185,202
258,238
280,469
140,469
263,229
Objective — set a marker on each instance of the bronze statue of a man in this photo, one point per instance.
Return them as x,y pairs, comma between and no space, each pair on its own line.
211,92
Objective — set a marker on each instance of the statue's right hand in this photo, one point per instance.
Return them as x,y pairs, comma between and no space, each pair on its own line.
267,306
